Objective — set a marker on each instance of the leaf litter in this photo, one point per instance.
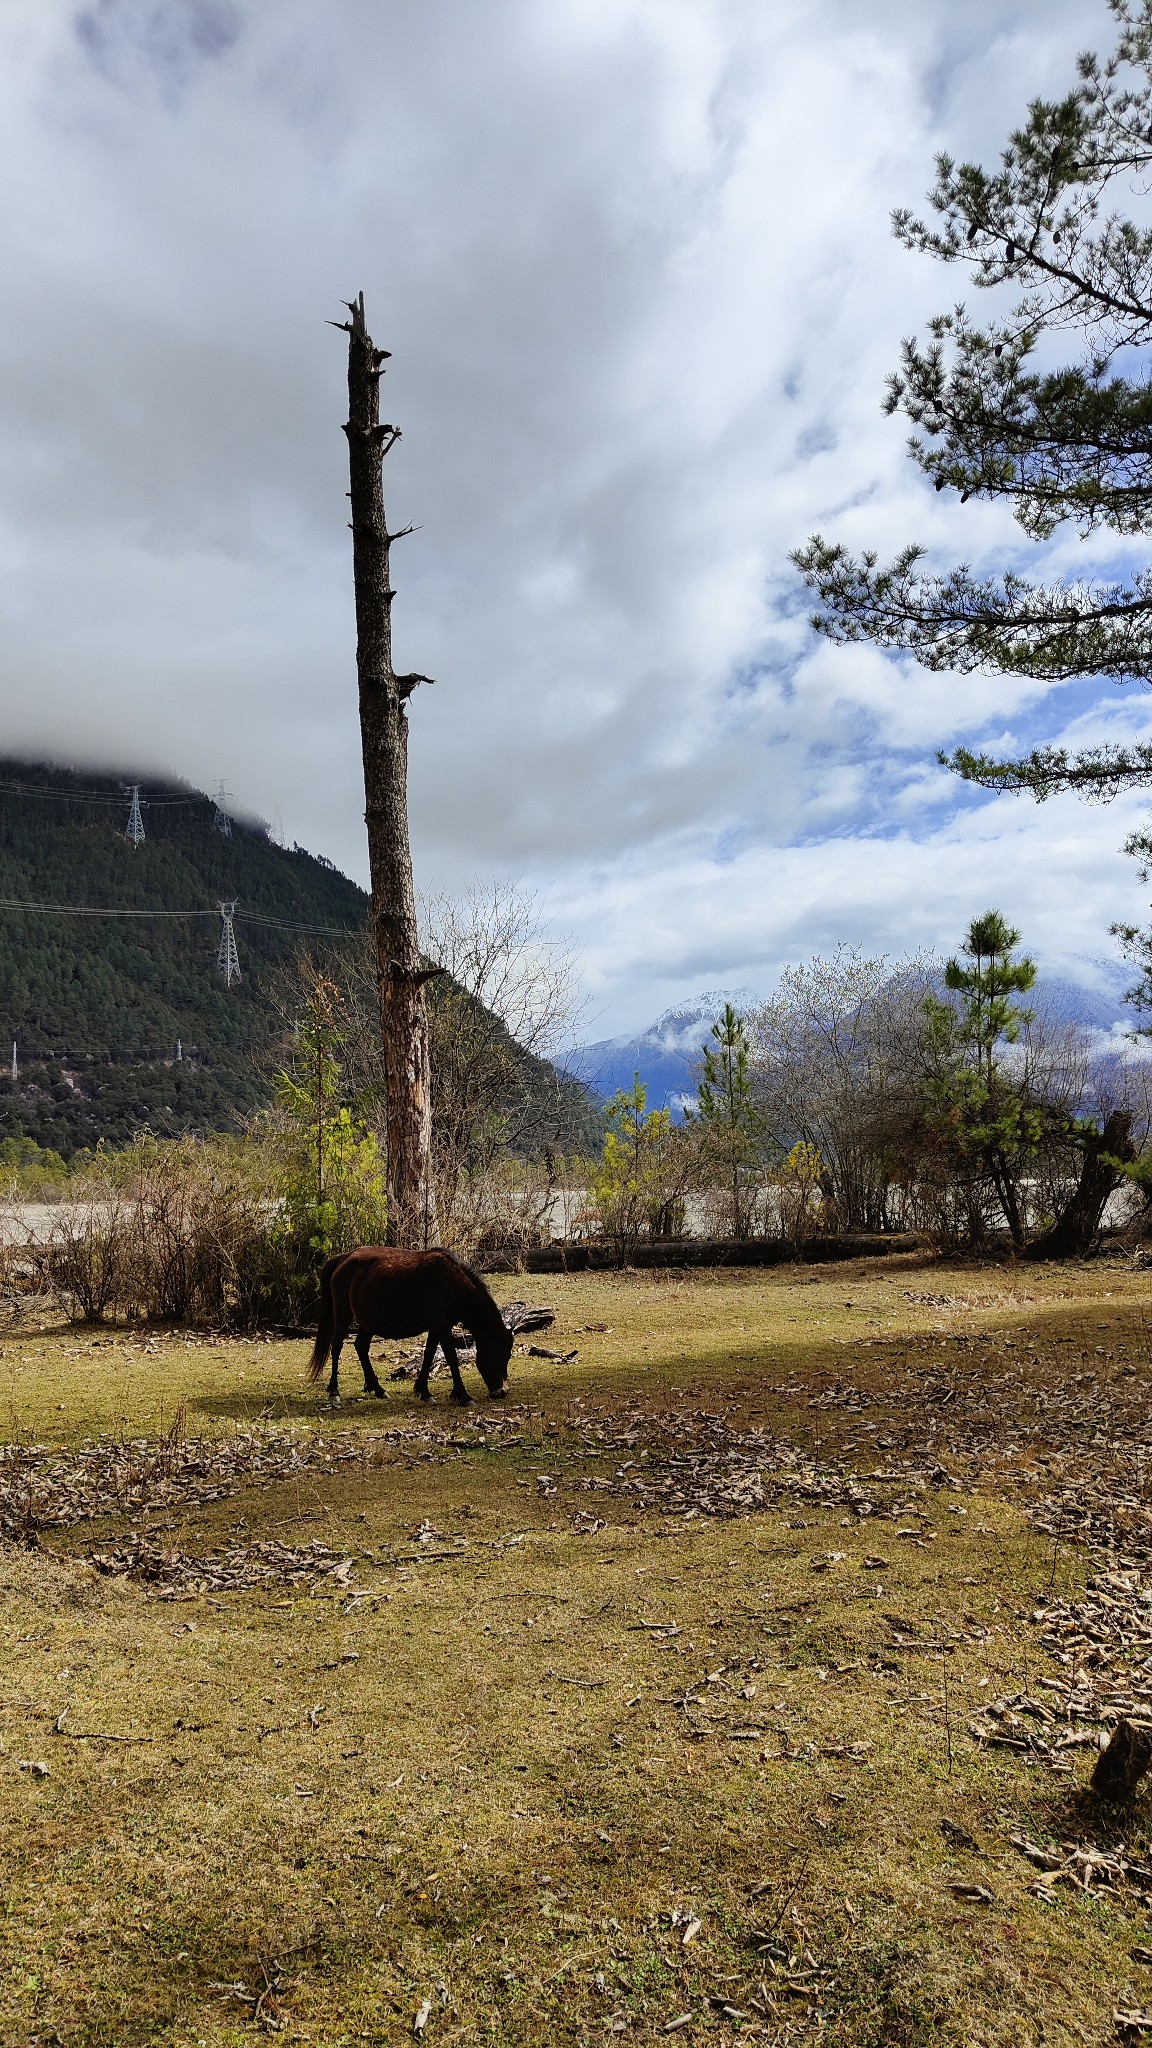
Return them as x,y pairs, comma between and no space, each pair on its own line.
234,1567
43,1488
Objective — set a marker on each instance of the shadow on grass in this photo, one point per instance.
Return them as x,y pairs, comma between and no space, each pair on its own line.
1079,1814
307,1406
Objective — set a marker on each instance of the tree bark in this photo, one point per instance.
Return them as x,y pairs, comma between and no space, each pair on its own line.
1073,1231
384,738
1006,1196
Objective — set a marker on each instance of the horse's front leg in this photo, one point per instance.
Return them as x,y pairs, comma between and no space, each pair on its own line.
371,1383
459,1390
422,1388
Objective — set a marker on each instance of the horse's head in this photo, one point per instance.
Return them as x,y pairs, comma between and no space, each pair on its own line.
492,1357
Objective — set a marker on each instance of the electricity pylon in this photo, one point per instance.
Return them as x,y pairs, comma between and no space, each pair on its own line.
134,830
222,822
227,958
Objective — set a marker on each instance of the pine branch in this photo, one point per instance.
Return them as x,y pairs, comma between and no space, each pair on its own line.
1064,445
1099,773
996,625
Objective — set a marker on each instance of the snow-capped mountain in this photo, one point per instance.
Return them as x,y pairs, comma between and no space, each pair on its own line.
666,1056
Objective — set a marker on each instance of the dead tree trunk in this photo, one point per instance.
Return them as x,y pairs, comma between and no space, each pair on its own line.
384,737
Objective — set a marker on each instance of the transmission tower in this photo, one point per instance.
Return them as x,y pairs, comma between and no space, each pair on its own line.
222,822
134,830
227,958
15,1068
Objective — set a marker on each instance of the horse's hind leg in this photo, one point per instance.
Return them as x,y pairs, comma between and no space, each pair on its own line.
334,1378
335,1375
459,1390
421,1386
371,1383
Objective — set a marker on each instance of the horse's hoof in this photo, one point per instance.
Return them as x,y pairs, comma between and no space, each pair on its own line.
333,1401
377,1393
462,1399
424,1393
497,1393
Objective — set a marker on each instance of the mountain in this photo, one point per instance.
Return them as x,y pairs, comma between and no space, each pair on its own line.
666,1056
127,1021
123,1021
1097,1005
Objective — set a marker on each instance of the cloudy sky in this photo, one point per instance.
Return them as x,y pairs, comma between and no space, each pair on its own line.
632,259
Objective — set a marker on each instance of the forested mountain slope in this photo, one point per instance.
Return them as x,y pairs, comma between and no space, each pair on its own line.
98,1006
126,1022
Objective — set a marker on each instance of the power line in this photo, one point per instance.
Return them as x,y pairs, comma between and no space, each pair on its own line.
99,796
88,910
320,931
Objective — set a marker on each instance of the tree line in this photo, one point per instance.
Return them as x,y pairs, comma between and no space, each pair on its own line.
871,1096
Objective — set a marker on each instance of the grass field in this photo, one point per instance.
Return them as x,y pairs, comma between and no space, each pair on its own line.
639,1705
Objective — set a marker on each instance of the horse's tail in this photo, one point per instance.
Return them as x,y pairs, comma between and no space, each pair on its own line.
322,1348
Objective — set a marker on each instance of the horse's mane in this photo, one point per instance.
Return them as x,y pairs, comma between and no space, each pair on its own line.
477,1280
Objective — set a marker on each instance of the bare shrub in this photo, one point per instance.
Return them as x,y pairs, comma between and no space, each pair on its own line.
186,1232
800,1201
837,1066
85,1257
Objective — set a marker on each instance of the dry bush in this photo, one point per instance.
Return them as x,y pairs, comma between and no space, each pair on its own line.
641,1185
187,1232
713,1212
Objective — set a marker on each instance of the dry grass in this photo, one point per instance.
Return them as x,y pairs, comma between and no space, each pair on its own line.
468,1778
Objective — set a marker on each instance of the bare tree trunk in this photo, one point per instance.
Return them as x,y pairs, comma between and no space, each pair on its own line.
1075,1228
384,737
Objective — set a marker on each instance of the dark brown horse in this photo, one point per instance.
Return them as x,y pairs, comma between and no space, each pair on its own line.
390,1293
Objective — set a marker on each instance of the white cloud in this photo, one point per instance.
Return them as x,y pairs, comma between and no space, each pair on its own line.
632,258
1053,869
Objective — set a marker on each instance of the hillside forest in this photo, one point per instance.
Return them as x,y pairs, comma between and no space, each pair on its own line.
124,1024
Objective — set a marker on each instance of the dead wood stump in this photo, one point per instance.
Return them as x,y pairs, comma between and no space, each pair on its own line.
1123,1763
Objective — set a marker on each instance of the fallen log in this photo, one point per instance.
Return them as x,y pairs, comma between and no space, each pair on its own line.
600,1256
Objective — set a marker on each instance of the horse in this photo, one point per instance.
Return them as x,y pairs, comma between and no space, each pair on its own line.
393,1293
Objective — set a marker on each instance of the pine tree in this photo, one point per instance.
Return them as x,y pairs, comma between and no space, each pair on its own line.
980,1107
1064,446
726,1111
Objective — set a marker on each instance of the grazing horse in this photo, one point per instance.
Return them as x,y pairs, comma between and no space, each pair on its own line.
393,1293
